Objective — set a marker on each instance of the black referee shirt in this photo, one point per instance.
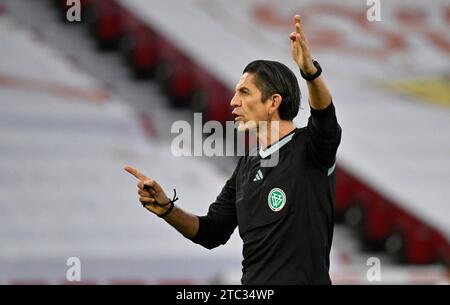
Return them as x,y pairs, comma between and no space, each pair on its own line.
285,212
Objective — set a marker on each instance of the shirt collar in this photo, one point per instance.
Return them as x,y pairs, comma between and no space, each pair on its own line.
277,145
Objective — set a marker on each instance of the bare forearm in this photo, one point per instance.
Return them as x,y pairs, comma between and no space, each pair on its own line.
319,95
184,222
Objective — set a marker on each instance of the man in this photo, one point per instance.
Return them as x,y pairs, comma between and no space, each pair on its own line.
284,212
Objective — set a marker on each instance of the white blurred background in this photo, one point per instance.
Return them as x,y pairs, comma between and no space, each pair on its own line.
78,100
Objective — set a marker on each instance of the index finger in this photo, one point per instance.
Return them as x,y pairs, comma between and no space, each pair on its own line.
135,172
298,26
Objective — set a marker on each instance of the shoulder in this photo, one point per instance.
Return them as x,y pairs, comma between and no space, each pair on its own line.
299,134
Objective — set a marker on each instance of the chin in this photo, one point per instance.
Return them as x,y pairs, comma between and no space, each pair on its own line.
244,126
241,127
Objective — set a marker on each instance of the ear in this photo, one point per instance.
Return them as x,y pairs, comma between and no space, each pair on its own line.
275,102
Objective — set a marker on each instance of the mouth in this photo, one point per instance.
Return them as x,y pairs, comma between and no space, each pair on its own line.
237,117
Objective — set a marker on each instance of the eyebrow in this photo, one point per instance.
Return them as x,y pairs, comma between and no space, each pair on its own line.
243,89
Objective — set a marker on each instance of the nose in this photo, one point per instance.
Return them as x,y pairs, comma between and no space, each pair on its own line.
234,101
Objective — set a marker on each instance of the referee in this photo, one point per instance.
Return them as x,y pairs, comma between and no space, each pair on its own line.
284,212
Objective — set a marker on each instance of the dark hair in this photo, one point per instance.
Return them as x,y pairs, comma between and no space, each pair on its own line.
272,77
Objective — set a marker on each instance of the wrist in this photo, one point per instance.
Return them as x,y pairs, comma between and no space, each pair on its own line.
311,73
168,211
309,69
171,205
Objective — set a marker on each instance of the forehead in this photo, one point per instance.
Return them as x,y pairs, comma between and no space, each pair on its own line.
246,80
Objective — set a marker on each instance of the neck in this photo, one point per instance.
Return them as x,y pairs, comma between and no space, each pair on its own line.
272,131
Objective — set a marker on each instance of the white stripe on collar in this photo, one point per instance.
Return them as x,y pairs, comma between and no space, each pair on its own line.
331,169
276,146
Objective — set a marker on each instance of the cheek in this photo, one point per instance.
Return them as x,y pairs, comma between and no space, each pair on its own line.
259,112
253,107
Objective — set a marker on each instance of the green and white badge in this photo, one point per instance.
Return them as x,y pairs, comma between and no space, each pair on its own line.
276,199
